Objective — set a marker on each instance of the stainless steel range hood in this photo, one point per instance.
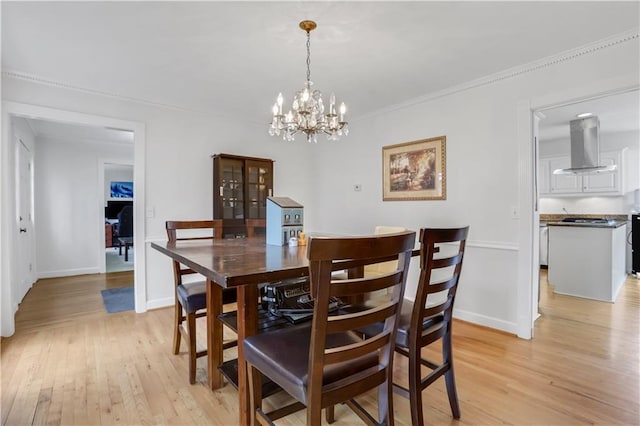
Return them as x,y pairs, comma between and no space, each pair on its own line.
585,149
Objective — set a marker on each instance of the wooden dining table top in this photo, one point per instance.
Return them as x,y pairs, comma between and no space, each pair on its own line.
239,261
244,261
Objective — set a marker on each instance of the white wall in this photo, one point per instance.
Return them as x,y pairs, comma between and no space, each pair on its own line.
484,160
483,175
67,204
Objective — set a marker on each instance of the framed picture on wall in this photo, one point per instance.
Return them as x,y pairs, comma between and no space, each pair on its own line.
415,170
121,189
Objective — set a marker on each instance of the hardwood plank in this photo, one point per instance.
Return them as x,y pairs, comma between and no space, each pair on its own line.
72,363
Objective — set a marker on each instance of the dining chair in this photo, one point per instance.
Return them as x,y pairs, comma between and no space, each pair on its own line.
125,222
325,363
428,318
125,228
190,297
254,225
383,267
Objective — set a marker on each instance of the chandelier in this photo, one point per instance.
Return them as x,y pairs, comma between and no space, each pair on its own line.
307,113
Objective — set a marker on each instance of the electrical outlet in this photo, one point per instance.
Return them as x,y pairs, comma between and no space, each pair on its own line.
515,213
357,187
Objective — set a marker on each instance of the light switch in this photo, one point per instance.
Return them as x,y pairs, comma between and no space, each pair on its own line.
151,212
515,212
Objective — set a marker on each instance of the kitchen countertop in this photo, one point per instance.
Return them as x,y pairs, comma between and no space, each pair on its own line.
610,224
614,221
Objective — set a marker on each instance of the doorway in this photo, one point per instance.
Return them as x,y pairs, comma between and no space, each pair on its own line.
118,190
10,244
608,195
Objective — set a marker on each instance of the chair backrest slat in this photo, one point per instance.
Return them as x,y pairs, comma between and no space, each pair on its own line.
333,356
436,309
346,322
447,261
444,285
173,226
348,287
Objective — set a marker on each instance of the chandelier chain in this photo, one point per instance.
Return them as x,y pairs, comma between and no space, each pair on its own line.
308,56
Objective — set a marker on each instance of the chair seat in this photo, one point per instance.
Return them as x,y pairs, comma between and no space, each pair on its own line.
193,296
404,324
283,356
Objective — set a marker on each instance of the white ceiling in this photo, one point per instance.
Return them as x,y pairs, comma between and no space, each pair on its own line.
617,113
232,58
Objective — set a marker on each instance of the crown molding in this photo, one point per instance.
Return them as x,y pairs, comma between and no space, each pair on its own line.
18,75
47,82
516,71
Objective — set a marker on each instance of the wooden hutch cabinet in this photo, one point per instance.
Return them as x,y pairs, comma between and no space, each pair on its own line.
241,186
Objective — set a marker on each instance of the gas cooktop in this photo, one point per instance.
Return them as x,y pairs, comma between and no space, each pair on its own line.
587,220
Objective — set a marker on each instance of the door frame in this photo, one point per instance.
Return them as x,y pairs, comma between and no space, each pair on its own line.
7,196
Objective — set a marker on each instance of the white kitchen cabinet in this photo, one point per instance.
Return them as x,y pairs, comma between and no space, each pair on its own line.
563,184
605,182
609,183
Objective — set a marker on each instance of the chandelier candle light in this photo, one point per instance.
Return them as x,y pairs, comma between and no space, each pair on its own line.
307,113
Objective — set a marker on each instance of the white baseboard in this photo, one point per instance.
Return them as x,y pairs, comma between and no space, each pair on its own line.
68,272
509,327
160,303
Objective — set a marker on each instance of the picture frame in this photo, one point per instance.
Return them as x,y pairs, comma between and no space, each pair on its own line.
415,170
121,190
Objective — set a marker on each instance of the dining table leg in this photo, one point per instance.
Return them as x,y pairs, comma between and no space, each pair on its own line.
247,326
214,335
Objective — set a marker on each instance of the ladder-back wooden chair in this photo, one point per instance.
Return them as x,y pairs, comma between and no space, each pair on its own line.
190,297
325,363
429,317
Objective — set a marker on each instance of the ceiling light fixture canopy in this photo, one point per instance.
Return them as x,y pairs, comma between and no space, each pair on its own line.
307,113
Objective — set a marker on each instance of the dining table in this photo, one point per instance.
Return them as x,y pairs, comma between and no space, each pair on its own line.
241,263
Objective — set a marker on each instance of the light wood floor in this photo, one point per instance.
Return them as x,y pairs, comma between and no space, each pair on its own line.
71,363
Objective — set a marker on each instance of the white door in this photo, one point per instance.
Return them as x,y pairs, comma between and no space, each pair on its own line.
24,220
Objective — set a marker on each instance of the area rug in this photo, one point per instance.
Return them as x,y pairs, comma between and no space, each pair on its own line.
118,299
116,263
